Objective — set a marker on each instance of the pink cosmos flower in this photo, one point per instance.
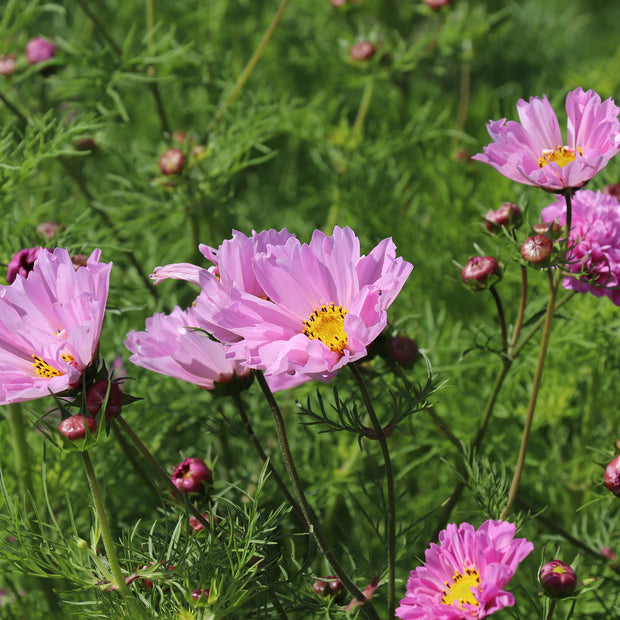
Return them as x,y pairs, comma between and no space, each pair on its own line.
319,305
594,248
173,346
533,151
465,574
50,324
22,263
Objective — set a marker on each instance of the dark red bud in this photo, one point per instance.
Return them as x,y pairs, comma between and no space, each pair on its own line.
537,249
557,579
612,476
479,271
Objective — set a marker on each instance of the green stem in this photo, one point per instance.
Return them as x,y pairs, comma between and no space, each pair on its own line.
521,313
161,473
544,345
264,458
247,71
551,610
310,519
100,27
119,579
153,86
389,480
21,453
363,109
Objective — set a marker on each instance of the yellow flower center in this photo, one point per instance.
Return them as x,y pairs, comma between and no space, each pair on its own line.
562,155
327,325
460,589
43,369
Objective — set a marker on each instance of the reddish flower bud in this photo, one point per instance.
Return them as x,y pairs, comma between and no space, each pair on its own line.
508,215
79,260
404,350
85,144
22,263
436,4
609,553
195,523
47,229
338,3
362,51
557,579
543,228
172,161
191,476
74,427
481,271
200,594
329,586
7,64
96,395
613,189
39,50
612,476
147,583
537,249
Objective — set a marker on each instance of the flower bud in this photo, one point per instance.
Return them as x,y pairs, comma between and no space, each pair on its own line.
537,249
74,427
172,161
40,50
7,64
362,51
613,189
543,228
95,396
198,595
612,476
557,579
86,144
481,271
47,229
329,586
196,525
191,476
404,350
508,215
436,4
22,263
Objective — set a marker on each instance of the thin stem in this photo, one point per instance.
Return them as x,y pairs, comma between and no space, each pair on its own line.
106,534
389,480
161,473
569,216
247,71
363,109
21,452
551,610
153,86
521,313
501,316
544,345
310,519
14,110
100,27
264,458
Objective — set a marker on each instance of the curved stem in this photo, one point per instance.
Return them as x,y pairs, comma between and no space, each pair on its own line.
501,316
310,519
265,459
389,480
106,534
544,345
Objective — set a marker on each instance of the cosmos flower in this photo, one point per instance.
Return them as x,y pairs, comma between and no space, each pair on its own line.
22,263
465,574
50,324
594,247
176,345
320,305
533,151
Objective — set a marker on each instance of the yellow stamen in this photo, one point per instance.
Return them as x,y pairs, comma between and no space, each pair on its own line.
43,369
460,589
327,325
562,155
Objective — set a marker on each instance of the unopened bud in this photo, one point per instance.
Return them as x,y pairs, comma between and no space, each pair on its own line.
47,229
39,50
544,228
612,476
481,271
192,476
74,427
508,216
362,51
613,189
557,579
7,64
329,586
436,4
404,350
95,396
172,161
200,595
537,249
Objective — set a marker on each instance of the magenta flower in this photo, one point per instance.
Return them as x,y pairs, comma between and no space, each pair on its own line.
465,574
594,248
533,151
22,263
39,50
173,345
319,305
50,324
192,476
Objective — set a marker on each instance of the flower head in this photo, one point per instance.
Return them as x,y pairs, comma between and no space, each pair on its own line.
537,250
557,579
319,305
612,476
50,324
533,151
176,345
22,263
192,476
594,246
465,575
39,50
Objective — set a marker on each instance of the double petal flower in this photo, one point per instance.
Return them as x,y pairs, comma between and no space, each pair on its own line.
533,151
50,323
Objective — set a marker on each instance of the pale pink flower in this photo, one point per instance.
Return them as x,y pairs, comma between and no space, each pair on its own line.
176,345
50,324
533,151
465,575
319,305
594,248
